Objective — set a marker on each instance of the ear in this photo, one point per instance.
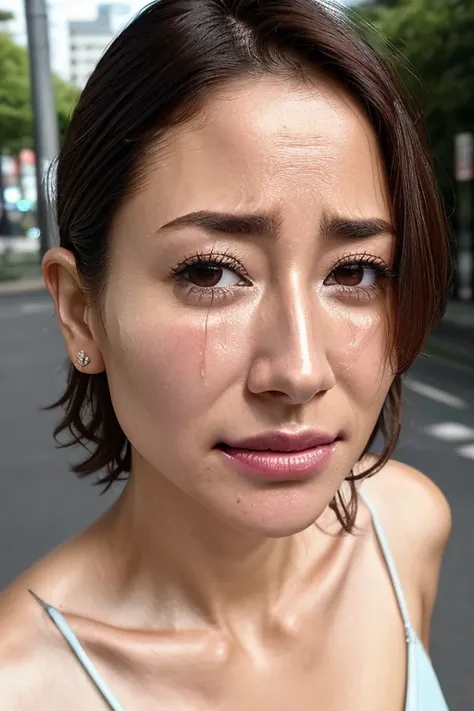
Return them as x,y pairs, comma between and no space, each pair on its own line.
72,309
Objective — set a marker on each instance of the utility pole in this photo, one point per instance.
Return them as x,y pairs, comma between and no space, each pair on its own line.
45,120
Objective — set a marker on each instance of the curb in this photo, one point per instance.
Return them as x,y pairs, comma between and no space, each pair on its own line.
22,286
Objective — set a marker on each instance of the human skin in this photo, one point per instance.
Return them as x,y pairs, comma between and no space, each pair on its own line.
285,352
202,583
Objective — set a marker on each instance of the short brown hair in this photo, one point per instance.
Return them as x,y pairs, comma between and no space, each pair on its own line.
157,74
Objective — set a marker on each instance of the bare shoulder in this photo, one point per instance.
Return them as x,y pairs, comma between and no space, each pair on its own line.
410,501
37,668
21,674
31,655
416,518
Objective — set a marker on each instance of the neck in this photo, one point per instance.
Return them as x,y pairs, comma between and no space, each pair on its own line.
192,568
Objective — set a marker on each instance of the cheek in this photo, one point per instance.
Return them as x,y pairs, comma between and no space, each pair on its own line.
359,355
169,369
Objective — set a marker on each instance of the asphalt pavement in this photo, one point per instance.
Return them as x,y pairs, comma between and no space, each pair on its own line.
42,504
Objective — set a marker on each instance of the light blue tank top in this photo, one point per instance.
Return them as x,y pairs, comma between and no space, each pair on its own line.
423,691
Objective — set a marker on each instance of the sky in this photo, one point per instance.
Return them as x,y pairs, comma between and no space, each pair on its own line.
79,9
76,9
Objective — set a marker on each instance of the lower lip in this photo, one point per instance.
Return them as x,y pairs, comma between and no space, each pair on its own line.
281,466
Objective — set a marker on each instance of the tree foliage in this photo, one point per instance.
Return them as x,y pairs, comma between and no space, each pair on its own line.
15,110
434,45
16,125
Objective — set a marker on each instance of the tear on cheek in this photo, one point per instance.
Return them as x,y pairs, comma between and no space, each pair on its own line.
223,341
361,337
205,338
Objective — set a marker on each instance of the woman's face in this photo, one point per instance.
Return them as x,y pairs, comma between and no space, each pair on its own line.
248,295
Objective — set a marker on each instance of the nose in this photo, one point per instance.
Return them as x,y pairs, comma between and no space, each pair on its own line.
290,359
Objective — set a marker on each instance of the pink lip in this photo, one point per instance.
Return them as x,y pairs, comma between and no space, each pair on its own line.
282,457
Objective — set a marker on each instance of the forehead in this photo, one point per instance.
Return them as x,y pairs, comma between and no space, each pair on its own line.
269,142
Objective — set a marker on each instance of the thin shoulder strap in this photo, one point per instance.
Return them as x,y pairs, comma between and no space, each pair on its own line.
79,653
392,569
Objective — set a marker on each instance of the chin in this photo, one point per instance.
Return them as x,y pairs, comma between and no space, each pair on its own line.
285,530
276,513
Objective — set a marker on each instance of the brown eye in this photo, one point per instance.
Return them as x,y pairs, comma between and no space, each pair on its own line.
204,275
208,273
350,274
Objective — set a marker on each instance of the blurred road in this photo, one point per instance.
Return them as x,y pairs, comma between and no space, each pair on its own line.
41,504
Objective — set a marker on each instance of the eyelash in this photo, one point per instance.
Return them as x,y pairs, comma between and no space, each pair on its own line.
383,273
214,260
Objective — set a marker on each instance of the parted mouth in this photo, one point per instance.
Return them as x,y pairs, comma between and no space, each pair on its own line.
280,441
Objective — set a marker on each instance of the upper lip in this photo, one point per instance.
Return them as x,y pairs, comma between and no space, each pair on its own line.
284,441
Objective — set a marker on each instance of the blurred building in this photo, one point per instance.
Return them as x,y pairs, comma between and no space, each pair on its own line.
58,32
75,45
88,39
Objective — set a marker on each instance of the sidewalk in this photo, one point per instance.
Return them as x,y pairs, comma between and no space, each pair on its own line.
19,245
20,269
22,286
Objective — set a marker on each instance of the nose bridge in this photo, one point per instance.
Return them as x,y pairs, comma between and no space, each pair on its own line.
296,316
292,341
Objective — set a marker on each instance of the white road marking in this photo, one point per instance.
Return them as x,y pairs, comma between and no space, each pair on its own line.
436,394
466,451
450,431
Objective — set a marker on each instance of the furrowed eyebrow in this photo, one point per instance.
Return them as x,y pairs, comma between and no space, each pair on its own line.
342,228
268,225
259,225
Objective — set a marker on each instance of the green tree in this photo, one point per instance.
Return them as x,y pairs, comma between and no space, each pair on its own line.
434,43
67,97
15,109
16,126
5,16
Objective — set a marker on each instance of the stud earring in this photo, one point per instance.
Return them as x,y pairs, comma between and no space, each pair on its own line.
83,359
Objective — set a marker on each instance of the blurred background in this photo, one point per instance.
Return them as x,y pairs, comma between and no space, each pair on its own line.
48,49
